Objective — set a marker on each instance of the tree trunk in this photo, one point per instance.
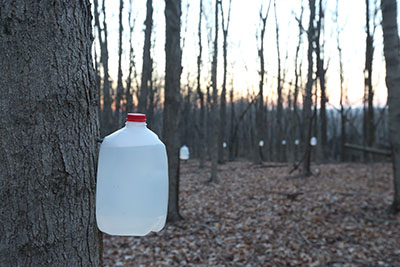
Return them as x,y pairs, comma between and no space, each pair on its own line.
231,139
280,135
368,91
391,51
97,60
214,105
201,95
297,71
48,125
118,106
321,71
222,120
260,120
343,92
147,62
308,96
129,93
171,102
106,121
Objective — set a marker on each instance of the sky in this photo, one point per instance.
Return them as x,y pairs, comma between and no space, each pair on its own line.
243,61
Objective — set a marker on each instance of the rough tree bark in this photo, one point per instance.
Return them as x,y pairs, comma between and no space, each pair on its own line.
222,119
201,95
147,67
392,57
214,104
118,107
173,68
308,95
48,125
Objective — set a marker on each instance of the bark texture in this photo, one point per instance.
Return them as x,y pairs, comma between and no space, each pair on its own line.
392,57
173,70
48,126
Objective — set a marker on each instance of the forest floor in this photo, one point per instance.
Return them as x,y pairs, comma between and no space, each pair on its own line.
262,216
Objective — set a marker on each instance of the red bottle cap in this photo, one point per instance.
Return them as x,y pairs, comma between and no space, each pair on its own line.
136,117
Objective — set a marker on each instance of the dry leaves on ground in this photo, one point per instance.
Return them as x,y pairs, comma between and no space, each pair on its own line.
259,216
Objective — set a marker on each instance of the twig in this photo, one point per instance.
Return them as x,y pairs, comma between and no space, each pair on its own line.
217,240
291,196
382,220
302,236
270,166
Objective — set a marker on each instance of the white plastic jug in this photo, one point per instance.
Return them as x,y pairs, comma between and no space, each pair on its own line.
261,143
184,153
313,141
132,181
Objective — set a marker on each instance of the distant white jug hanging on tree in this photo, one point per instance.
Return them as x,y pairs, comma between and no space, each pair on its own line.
184,153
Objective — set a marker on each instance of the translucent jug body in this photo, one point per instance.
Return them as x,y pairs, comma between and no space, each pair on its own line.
132,182
184,153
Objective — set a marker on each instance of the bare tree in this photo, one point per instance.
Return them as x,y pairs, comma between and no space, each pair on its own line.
222,120
343,91
391,51
297,72
279,108
368,88
232,119
105,115
147,67
48,126
308,95
173,70
120,87
214,104
260,118
321,72
132,67
201,94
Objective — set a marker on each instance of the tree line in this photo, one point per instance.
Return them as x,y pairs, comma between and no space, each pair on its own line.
219,125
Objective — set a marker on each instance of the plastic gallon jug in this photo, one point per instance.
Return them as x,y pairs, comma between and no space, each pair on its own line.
184,153
313,141
132,180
